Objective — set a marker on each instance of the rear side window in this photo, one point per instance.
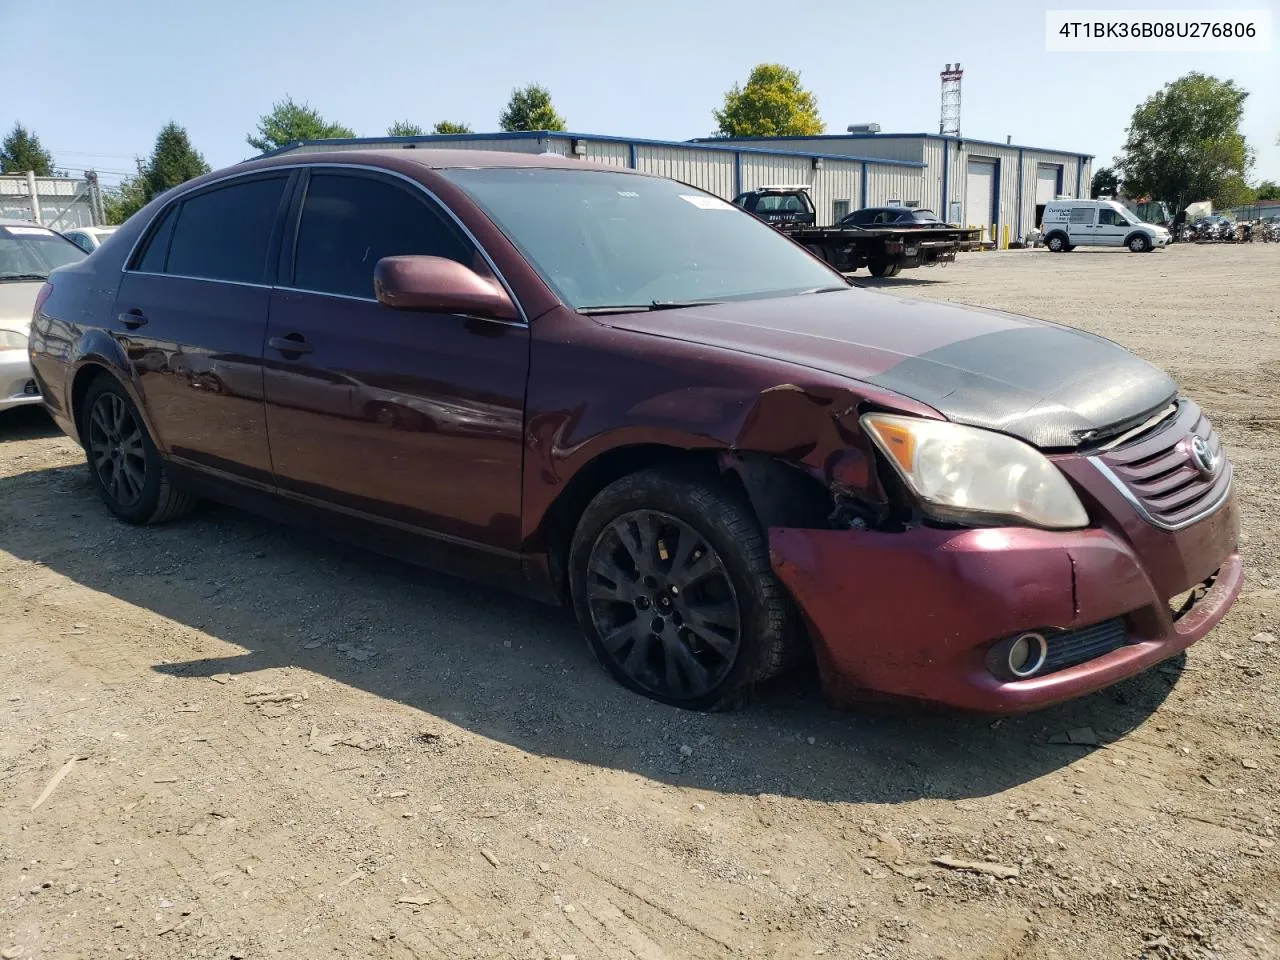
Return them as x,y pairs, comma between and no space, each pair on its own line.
1082,214
224,234
349,223
157,248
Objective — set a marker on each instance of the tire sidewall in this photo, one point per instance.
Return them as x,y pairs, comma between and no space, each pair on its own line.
1139,244
145,508
685,501
1058,239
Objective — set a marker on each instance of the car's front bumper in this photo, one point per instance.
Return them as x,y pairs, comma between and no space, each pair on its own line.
17,385
915,614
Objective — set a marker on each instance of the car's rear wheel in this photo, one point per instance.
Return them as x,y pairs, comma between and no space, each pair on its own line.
125,465
671,582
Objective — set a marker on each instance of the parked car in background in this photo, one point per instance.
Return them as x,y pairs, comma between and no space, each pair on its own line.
891,217
660,411
1068,224
88,239
27,254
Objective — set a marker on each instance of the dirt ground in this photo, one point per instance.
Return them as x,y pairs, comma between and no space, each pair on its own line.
271,746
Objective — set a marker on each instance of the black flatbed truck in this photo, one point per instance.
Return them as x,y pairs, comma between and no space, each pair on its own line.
883,250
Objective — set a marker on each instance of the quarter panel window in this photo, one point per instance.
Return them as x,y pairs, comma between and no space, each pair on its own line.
349,223
224,234
157,249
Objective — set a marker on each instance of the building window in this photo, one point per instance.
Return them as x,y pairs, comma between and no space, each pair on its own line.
839,210
911,203
894,203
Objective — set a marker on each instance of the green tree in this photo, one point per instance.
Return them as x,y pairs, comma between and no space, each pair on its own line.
772,104
173,161
1105,183
1268,190
405,128
448,127
289,122
1184,143
530,109
21,151
125,200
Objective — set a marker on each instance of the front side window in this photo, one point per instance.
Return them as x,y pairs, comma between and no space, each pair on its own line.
603,239
224,234
30,253
1111,218
349,223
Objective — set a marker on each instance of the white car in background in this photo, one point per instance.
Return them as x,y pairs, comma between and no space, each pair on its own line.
27,253
88,239
1068,224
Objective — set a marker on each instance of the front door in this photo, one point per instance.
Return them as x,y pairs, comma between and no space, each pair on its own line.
1112,227
191,314
408,417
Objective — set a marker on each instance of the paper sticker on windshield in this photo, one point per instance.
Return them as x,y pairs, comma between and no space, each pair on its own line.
28,232
706,203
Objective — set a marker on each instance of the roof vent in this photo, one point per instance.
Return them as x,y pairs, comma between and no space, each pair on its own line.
863,128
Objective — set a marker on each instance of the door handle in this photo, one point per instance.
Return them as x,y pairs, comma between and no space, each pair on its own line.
293,343
133,319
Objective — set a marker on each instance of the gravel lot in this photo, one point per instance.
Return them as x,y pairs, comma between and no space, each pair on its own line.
271,746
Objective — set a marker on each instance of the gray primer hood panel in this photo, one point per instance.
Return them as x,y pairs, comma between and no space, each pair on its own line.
1052,386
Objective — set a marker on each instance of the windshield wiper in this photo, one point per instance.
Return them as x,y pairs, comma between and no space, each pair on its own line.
4,277
645,307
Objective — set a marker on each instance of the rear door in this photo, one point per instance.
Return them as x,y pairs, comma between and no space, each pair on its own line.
405,417
1082,224
191,314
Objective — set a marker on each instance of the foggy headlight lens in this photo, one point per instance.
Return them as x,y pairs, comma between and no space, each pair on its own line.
964,474
12,340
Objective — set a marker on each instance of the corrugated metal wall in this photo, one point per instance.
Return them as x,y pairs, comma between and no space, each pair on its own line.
712,170
884,148
608,152
762,170
64,202
840,180
894,183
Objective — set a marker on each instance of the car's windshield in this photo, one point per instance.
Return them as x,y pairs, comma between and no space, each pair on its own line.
29,253
604,239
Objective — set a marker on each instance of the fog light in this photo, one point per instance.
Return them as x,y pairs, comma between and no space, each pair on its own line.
1027,654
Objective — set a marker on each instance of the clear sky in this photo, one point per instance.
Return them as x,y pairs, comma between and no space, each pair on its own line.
96,79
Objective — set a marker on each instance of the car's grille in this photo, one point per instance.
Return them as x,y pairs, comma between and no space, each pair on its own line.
1160,475
1070,647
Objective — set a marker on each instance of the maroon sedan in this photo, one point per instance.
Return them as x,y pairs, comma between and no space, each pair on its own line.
619,392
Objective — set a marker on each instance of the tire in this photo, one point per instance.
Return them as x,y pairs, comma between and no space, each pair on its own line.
879,268
124,463
1139,243
694,626
1056,243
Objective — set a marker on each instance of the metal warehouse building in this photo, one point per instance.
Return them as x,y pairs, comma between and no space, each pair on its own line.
968,181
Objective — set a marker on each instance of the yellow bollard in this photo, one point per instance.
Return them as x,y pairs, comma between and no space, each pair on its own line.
1005,239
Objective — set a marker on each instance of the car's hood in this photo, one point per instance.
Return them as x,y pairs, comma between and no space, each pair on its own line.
1050,385
17,300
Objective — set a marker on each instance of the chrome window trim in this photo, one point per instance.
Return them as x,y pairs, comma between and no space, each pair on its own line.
1146,515
186,276
246,174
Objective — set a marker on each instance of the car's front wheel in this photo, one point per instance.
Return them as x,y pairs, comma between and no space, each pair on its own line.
1056,243
1139,243
125,465
671,582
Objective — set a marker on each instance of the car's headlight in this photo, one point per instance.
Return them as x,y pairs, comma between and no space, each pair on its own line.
966,475
12,340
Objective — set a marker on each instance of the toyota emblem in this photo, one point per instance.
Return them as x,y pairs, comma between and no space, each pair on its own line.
1202,457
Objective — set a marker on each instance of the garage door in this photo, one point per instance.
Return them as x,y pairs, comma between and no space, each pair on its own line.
979,188
1046,182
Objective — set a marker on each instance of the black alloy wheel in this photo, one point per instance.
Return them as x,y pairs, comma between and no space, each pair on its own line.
116,453
663,604
123,460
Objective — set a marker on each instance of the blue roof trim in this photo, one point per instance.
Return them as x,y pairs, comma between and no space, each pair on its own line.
598,138
900,136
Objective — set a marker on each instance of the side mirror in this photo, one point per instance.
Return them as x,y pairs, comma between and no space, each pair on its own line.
440,286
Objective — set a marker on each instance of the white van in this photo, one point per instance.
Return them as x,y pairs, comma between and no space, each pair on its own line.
1068,224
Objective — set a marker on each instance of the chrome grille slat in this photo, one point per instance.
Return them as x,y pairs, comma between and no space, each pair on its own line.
1156,472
